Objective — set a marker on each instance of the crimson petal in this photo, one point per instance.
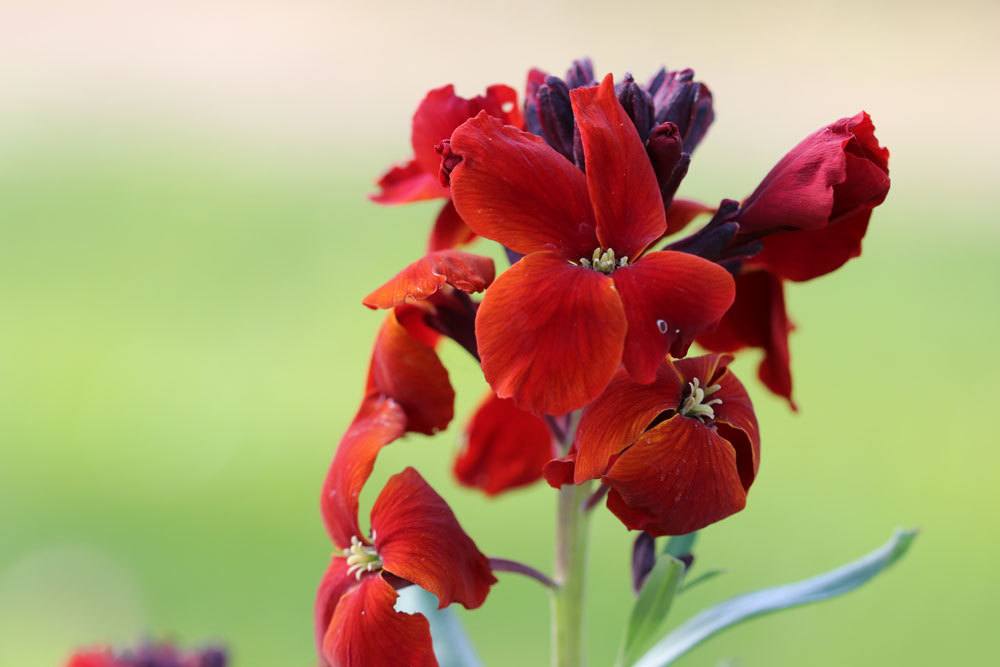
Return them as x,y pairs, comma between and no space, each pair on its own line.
408,183
670,297
379,422
550,334
678,477
406,369
620,179
366,630
511,187
427,275
449,230
336,582
419,539
505,447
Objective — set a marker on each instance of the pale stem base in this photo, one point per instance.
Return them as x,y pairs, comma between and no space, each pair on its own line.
572,533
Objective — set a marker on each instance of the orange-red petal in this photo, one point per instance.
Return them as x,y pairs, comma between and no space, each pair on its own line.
449,230
505,447
408,183
758,319
367,631
406,369
678,477
550,334
620,179
379,422
618,417
336,582
511,187
669,297
427,275
419,539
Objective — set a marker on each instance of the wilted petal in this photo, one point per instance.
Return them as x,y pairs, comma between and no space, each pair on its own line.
427,275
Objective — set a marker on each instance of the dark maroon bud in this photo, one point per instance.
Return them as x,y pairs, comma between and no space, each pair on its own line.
638,105
454,316
213,657
580,73
555,114
532,124
686,103
643,559
449,161
712,241
670,162
656,81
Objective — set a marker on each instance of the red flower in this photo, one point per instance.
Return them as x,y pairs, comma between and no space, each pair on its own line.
505,448
440,112
821,196
408,391
415,538
587,296
758,319
677,454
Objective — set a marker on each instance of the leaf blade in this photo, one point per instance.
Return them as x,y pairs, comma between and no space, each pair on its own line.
744,607
651,607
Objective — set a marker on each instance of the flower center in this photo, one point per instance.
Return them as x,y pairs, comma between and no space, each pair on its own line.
603,261
695,405
361,558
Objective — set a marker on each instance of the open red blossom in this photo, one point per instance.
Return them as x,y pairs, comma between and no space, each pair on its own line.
429,274
415,538
408,391
678,454
587,296
505,447
815,204
440,112
758,319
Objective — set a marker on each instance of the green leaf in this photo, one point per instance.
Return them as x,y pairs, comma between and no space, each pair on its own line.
738,609
651,607
681,545
700,579
452,647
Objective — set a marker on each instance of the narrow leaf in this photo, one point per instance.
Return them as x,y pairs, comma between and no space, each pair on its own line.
452,647
738,609
700,579
651,607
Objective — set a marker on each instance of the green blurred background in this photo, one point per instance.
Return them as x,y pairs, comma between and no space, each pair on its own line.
185,239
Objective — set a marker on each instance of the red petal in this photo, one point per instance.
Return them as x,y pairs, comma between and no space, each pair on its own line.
550,334
679,477
560,472
809,254
366,631
424,277
670,297
94,658
378,422
510,186
505,447
734,417
408,371
336,582
834,172
437,116
419,539
682,212
619,415
758,319
407,183
622,185
449,230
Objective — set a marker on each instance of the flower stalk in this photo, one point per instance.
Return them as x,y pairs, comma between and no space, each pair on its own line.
572,537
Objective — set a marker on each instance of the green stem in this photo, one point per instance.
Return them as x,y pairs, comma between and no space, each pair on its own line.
572,531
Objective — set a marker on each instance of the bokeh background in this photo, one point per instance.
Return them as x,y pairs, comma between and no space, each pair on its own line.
185,238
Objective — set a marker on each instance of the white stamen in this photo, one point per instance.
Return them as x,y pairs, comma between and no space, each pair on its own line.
603,261
361,557
695,405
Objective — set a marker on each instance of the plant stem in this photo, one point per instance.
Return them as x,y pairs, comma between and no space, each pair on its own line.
572,531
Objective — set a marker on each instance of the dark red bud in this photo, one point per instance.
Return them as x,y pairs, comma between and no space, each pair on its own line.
638,105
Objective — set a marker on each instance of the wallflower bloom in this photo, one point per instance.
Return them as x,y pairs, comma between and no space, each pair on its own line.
678,454
810,213
587,296
415,538
505,448
440,112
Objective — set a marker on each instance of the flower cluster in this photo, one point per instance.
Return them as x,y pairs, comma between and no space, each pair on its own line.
584,338
150,655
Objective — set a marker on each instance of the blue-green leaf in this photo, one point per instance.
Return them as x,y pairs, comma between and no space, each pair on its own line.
651,607
452,647
738,609
700,579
